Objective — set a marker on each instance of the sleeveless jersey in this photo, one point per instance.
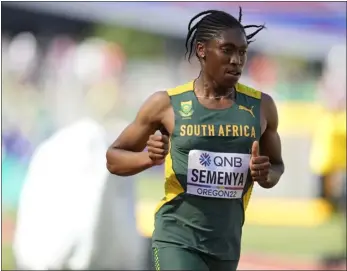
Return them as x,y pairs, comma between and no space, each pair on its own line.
208,184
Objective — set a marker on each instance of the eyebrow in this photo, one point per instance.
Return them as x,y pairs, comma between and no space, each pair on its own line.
229,44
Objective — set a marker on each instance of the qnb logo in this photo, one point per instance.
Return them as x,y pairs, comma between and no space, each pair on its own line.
205,159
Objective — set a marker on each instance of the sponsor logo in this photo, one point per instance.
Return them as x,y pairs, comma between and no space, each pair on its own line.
205,159
249,110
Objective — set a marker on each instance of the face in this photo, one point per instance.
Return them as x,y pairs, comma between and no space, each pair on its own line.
224,57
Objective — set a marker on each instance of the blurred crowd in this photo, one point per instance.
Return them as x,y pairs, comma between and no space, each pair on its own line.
47,85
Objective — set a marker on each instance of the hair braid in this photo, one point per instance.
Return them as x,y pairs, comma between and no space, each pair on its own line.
210,26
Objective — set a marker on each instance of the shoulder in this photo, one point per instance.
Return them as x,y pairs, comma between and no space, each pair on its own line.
267,100
269,110
268,104
154,108
158,98
155,103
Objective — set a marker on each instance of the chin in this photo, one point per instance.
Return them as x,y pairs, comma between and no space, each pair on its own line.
230,83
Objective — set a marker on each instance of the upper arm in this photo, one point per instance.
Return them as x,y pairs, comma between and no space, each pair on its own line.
270,142
148,120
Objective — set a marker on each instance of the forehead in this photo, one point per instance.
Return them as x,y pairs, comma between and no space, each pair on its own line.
232,36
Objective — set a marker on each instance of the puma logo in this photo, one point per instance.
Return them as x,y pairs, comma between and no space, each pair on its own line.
249,110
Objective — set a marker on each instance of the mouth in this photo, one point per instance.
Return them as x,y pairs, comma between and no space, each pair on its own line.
234,73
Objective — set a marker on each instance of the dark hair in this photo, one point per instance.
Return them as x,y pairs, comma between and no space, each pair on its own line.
212,24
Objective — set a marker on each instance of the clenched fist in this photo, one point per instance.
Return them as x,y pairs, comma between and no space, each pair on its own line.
158,148
259,165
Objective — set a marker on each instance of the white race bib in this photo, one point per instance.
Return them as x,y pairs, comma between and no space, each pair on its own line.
217,174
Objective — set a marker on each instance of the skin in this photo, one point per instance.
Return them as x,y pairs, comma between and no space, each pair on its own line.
228,51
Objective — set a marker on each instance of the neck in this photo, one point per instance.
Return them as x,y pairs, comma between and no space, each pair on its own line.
206,87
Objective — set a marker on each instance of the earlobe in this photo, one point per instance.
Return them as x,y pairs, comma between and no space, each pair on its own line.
202,54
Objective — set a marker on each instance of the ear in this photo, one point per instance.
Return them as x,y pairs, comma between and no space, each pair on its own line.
200,50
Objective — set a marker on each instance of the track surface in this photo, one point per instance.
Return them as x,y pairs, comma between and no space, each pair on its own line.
248,262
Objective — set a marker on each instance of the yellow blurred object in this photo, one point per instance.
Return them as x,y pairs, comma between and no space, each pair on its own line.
145,217
288,212
328,152
298,118
269,212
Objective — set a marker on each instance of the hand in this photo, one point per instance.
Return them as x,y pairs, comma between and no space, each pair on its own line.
259,165
158,148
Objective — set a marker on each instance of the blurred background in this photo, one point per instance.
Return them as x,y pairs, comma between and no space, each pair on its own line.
62,61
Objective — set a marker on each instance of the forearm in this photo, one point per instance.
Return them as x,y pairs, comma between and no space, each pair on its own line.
275,174
127,163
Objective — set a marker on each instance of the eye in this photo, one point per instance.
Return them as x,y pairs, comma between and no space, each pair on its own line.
242,52
226,50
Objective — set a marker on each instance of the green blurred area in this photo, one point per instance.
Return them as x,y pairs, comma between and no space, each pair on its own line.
294,242
136,44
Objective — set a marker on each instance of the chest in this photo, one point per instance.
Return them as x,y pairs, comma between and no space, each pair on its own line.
232,129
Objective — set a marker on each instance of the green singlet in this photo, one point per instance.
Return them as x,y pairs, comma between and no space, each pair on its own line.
208,184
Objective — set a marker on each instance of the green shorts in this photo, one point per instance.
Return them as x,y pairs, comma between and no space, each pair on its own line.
175,258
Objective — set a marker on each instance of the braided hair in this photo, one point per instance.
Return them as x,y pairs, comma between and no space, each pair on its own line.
210,26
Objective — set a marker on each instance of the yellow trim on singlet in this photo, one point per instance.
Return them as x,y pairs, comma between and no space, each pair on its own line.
181,89
239,88
172,186
248,91
247,197
257,95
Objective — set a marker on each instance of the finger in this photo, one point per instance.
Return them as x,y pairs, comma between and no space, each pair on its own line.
159,151
261,179
261,166
255,149
260,173
156,144
156,157
155,137
162,138
260,160
159,162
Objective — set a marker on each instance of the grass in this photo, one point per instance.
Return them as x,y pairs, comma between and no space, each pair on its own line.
298,242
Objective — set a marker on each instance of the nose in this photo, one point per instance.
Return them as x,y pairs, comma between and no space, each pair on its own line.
235,59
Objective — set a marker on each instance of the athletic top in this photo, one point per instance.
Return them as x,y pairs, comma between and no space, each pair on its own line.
208,184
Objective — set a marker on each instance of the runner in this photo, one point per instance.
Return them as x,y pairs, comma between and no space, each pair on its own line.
218,138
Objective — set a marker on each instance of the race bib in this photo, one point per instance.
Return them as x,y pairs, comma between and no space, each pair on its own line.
216,174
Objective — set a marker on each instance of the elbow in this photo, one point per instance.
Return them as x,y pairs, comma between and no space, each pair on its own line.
111,168
282,168
111,162
113,165
115,171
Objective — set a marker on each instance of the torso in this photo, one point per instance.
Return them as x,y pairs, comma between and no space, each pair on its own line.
207,182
